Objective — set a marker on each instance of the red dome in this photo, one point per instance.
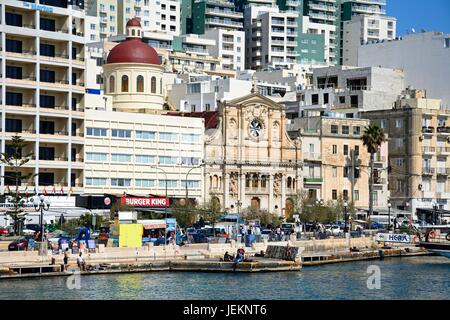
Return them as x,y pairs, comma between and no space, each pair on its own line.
133,51
133,23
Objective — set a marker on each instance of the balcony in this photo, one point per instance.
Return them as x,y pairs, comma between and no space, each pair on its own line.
428,150
443,171
427,130
443,130
224,13
443,151
427,171
443,195
24,54
311,156
312,180
225,23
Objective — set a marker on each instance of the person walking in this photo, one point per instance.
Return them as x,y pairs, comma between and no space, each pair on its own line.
66,259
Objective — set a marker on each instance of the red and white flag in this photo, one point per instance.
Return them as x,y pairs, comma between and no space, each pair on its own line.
62,190
45,191
54,190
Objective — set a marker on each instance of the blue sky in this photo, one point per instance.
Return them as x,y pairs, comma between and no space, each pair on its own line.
431,15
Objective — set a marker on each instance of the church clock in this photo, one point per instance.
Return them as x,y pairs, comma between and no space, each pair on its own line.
255,128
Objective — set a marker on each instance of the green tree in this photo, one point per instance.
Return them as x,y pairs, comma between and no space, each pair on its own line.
264,216
211,211
185,214
372,138
15,160
85,221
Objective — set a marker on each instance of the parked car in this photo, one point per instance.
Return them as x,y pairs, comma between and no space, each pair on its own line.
35,227
333,230
265,234
377,225
287,228
19,244
4,231
28,232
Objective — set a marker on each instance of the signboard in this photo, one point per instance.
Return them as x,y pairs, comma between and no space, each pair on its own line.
171,224
107,201
399,238
127,215
38,7
153,224
144,202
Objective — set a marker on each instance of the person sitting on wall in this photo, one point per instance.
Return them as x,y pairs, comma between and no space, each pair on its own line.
81,262
227,257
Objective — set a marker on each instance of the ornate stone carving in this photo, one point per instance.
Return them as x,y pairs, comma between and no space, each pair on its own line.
256,111
233,183
277,184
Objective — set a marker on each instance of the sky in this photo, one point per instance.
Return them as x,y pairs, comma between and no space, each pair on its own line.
431,15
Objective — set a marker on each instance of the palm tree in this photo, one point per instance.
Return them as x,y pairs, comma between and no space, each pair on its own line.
372,138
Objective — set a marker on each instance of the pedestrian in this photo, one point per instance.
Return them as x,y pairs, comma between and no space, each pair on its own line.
81,263
66,259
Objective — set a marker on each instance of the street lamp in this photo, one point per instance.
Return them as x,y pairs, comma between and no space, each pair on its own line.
345,216
389,216
187,174
435,207
43,204
238,205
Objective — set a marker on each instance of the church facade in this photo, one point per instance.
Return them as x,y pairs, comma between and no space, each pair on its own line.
250,161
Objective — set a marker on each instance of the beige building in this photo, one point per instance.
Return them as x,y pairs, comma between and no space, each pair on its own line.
336,163
250,157
419,151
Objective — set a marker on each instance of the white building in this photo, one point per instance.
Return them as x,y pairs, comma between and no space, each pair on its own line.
424,57
138,153
230,47
271,37
42,91
365,29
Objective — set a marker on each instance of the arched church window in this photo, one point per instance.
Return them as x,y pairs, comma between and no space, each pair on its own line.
112,84
140,83
124,83
153,85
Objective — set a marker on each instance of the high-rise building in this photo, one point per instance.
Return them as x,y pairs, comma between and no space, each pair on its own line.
108,16
215,14
42,91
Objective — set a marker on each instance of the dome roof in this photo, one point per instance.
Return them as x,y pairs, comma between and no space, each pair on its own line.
133,23
133,50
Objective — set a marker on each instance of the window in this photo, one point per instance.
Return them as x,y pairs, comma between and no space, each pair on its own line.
345,150
356,131
398,123
46,127
92,26
342,99
345,194
334,194
169,136
325,98
120,133
356,195
207,107
346,171
46,101
14,98
140,83
13,125
124,83
96,156
190,161
334,172
46,178
98,79
167,160
47,24
46,153
13,72
194,88
356,151
334,148
399,162
120,182
13,19
144,183
191,137
190,183
140,158
398,142
13,45
153,85
47,50
145,135
112,84
345,129
170,184
47,75
383,124
315,99
334,129
120,157
447,43
96,132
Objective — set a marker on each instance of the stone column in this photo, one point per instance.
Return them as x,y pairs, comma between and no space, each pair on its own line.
271,204
283,192
226,191
242,190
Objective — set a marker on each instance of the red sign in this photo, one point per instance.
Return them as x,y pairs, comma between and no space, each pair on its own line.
144,202
107,201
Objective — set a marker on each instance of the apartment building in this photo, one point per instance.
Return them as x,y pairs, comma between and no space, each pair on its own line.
336,163
419,152
42,91
365,29
141,153
113,15
271,37
349,91
317,42
215,14
424,57
230,48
